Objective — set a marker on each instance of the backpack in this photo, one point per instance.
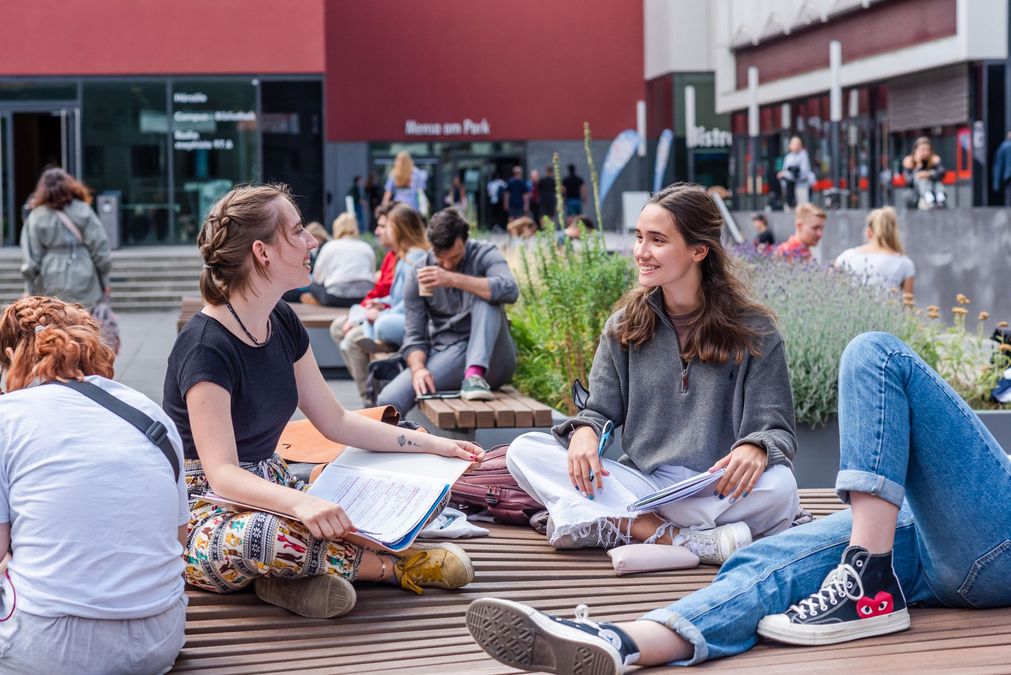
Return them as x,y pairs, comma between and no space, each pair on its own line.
381,373
491,490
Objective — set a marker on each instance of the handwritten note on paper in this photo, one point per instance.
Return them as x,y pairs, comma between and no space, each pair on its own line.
386,505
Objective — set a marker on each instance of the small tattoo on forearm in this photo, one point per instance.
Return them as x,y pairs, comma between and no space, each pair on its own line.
402,440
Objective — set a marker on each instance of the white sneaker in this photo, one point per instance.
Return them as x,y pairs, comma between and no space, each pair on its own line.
714,546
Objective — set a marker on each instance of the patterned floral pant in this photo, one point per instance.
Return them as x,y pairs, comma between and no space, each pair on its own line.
227,550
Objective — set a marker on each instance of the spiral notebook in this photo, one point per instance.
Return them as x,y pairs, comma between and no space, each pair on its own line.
678,491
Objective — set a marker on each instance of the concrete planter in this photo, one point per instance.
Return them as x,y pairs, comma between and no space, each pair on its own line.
818,453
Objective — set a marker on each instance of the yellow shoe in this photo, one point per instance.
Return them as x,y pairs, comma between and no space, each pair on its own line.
434,566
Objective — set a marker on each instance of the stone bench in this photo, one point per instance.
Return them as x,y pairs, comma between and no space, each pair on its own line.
315,318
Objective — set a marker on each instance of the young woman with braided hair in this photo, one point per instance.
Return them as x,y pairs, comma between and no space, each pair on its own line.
236,374
93,585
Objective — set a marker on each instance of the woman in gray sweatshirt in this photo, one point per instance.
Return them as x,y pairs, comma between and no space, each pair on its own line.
694,372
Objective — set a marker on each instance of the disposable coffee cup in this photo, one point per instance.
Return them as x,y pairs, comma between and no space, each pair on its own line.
424,290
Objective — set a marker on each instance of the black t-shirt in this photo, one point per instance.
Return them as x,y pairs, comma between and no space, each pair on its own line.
765,238
573,186
546,191
516,188
261,380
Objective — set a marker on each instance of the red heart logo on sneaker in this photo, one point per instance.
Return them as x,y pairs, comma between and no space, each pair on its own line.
881,603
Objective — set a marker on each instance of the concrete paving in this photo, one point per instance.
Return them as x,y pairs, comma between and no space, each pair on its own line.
147,339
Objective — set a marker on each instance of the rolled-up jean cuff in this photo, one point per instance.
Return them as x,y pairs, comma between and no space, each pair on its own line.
850,480
683,627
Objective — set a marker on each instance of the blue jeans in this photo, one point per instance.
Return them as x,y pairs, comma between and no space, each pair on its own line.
909,439
573,206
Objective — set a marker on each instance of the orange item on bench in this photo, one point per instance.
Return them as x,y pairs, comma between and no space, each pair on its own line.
302,442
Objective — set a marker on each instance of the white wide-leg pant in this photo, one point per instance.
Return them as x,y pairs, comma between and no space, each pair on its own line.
539,465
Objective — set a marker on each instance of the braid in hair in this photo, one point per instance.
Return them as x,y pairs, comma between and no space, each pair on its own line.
51,340
245,215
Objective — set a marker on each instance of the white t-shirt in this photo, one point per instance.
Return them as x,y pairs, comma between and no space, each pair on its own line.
883,269
345,263
93,509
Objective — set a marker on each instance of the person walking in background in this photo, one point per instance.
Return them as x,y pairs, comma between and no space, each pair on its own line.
497,202
574,188
546,194
456,195
764,240
809,224
345,268
517,194
358,202
881,260
373,196
535,195
406,184
381,324
1002,169
90,510
64,249
796,174
924,172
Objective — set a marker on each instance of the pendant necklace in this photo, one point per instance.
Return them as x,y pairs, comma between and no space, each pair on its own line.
245,330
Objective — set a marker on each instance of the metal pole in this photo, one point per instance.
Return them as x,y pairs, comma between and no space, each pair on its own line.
753,133
690,130
1007,77
835,110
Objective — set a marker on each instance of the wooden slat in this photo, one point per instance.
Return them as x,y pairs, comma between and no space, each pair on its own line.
542,413
505,416
484,414
465,417
441,414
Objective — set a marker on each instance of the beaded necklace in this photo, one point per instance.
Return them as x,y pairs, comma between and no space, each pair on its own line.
245,330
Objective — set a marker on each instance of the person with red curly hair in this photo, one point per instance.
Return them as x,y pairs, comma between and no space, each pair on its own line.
92,584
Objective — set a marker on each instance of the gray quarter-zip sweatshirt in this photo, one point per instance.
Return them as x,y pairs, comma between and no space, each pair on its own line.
688,414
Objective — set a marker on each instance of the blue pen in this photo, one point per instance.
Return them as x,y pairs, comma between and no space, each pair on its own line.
605,436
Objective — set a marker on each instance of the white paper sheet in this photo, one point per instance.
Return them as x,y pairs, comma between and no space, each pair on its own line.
384,504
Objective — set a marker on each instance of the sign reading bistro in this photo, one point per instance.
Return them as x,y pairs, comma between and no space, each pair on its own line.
467,127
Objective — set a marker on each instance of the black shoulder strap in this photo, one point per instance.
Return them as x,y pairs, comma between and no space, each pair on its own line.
155,431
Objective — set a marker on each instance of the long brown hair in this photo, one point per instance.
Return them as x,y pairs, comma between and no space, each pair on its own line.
57,188
407,229
245,215
722,327
49,340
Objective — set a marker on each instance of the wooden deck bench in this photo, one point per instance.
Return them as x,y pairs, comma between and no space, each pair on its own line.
509,408
315,318
392,631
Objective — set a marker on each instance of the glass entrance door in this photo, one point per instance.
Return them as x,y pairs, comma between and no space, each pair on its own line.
33,141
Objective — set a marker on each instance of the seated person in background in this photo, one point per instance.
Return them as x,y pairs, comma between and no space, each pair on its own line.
931,511
522,229
89,508
764,239
810,226
924,172
694,372
235,375
318,232
456,334
572,230
881,260
344,269
381,327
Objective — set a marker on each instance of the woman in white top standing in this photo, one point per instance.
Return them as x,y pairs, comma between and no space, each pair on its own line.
345,268
881,261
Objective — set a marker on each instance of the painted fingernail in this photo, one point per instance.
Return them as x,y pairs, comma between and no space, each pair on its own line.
591,498
733,499
721,496
716,493
473,456
745,495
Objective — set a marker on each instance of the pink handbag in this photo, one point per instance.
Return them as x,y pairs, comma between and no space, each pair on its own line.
490,489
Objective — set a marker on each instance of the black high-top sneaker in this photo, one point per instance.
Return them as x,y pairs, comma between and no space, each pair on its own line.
858,599
521,637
